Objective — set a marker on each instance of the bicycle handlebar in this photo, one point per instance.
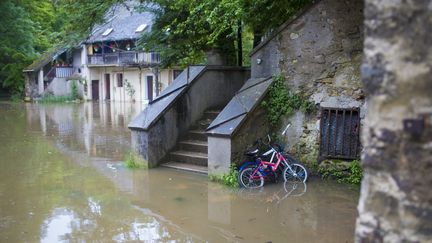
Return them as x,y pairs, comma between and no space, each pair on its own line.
286,128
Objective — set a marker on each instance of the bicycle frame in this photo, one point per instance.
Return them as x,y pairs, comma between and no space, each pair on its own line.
274,166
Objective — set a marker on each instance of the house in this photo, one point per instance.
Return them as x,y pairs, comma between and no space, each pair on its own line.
108,65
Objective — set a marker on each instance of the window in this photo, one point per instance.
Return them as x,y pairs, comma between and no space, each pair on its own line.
339,133
107,31
119,79
141,28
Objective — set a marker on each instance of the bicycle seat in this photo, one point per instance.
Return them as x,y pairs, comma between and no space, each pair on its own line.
252,153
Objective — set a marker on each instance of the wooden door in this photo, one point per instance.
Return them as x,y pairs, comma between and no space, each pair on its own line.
95,89
107,86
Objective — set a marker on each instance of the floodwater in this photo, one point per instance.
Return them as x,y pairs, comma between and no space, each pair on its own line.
62,180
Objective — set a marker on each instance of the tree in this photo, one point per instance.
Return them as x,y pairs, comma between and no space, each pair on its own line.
16,44
183,30
28,28
189,28
263,16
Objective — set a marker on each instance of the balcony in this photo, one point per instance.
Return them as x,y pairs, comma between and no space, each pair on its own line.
59,72
124,58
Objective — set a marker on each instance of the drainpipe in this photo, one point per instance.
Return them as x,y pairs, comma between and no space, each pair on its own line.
140,81
157,81
156,73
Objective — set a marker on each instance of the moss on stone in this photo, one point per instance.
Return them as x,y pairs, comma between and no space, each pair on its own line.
342,171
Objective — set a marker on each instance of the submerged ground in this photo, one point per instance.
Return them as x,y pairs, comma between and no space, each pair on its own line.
62,179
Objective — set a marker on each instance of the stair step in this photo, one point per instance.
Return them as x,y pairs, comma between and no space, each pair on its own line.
186,167
193,146
204,123
189,157
197,135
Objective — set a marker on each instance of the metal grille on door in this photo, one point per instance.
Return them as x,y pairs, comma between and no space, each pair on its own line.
339,133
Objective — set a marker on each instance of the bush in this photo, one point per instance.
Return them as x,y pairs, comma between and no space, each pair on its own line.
17,97
49,98
351,175
74,91
134,161
229,179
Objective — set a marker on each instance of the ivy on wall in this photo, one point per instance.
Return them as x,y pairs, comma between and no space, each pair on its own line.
282,102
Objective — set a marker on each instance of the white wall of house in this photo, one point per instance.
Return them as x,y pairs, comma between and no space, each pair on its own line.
58,86
136,77
61,86
165,78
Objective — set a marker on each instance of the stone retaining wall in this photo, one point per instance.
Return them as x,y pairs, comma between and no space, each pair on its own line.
319,53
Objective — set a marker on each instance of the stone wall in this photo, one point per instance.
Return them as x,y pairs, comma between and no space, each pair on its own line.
214,87
31,87
396,201
255,126
319,52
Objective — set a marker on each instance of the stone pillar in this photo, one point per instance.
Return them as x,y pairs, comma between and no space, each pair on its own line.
40,82
396,198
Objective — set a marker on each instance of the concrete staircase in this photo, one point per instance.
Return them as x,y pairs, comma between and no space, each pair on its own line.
190,153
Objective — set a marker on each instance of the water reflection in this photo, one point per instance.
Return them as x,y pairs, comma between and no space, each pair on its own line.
287,189
58,226
68,183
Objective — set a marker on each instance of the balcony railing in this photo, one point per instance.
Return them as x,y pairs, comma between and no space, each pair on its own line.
124,58
64,72
59,72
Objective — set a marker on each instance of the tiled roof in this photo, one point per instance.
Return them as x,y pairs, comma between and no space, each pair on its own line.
124,19
43,60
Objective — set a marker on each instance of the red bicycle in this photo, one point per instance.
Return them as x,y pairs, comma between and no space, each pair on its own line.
253,176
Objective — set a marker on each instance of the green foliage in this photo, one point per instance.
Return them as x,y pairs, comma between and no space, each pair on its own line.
16,44
265,15
129,88
30,27
77,17
134,161
229,179
50,98
74,90
353,175
73,96
191,27
356,173
16,97
282,102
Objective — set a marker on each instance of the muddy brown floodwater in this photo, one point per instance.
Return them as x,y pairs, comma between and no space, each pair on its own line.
62,179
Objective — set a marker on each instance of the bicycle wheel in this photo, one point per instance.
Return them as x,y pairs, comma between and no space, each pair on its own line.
296,173
246,181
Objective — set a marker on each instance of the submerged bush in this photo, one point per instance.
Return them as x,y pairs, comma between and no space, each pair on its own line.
49,98
134,161
74,90
351,174
229,179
